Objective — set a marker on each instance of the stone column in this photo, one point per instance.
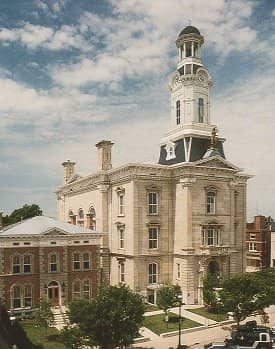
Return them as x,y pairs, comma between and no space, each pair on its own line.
184,50
232,238
192,49
183,215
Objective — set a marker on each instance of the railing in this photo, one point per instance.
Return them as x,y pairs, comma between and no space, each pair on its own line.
215,250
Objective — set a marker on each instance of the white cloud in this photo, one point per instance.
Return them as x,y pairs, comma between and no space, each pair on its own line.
36,36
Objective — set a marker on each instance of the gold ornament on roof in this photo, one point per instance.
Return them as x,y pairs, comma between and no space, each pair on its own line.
213,138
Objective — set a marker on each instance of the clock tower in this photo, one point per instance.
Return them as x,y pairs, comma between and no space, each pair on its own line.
188,138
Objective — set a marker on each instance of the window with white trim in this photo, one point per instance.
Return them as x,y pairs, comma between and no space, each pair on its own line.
153,202
16,264
27,263
76,261
121,204
86,261
16,297
178,112
153,237
27,296
252,246
153,273
76,290
52,263
86,289
211,236
178,270
210,202
121,237
201,109
121,272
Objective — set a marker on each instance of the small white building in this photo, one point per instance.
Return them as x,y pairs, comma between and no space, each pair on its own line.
176,220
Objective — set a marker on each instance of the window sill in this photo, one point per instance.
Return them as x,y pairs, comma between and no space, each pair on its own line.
121,215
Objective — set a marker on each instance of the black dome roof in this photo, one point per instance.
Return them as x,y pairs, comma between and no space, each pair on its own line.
189,30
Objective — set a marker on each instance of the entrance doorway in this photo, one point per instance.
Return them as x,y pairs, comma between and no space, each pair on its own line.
53,293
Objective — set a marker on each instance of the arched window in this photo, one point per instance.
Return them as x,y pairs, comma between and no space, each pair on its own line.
201,110
178,112
91,219
86,289
16,297
211,202
16,264
27,263
153,273
21,296
76,290
72,217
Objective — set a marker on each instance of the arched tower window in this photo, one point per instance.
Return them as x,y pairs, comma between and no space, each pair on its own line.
201,110
178,112
91,219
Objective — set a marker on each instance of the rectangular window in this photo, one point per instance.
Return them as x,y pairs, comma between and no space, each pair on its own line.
16,267
178,112
53,263
122,272
76,290
252,236
152,273
201,109
210,236
153,237
178,270
121,237
252,246
211,202
27,264
86,289
27,296
153,203
86,261
121,204
76,261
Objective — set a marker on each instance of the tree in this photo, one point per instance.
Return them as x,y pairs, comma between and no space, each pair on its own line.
72,337
167,298
110,320
210,282
27,211
244,295
44,316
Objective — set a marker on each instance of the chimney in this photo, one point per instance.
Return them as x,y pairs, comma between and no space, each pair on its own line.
104,155
1,220
68,170
259,222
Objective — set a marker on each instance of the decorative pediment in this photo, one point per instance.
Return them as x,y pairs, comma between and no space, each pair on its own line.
55,232
218,162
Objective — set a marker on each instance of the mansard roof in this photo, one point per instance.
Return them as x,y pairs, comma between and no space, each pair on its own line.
42,225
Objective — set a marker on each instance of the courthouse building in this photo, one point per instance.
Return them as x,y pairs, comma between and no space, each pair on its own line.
43,257
174,221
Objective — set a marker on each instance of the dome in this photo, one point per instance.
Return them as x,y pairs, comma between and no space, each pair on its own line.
189,30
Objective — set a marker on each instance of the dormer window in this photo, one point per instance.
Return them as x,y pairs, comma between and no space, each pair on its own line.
178,112
170,151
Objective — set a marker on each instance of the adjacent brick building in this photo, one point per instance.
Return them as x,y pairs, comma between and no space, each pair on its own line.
258,244
44,257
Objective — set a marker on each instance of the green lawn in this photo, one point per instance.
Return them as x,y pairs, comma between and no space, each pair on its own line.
157,324
213,316
150,307
41,338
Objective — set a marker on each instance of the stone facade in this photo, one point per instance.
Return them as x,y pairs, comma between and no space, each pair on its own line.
174,221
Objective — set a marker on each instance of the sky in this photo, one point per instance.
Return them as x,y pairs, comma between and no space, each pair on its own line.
75,72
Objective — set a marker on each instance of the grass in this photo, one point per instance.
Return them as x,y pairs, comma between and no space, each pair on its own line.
157,324
212,316
150,307
42,338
